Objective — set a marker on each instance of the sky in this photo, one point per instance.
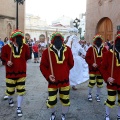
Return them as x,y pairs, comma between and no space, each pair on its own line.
50,10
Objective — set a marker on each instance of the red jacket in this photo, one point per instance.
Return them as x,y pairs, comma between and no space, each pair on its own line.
18,69
61,66
98,57
105,70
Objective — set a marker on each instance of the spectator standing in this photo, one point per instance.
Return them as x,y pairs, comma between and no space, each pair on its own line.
87,46
106,46
111,46
108,43
6,41
35,52
42,44
30,47
1,45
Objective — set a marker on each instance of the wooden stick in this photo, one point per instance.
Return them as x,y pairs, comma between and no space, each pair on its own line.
51,67
113,59
94,54
11,53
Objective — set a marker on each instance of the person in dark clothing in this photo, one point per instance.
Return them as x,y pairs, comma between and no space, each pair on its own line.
30,47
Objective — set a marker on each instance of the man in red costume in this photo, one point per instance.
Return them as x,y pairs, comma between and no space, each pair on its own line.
94,58
14,56
110,69
62,62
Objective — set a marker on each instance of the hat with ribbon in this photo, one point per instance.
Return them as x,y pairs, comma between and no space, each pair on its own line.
16,33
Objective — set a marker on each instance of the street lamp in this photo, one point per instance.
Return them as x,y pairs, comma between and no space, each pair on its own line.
80,31
76,22
18,2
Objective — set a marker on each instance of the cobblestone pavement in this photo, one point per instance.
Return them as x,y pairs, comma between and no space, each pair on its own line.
34,104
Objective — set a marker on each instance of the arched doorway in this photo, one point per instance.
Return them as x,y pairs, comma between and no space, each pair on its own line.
9,30
105,28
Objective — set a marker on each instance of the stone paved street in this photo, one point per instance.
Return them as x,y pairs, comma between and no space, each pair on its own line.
34,104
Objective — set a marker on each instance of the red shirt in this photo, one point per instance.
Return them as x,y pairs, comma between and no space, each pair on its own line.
18,69
106,67
61,66
98,57
35,48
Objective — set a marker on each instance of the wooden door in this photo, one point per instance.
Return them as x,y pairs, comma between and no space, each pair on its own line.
105,28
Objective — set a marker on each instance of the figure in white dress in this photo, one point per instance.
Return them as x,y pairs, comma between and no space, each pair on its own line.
69,42
79,73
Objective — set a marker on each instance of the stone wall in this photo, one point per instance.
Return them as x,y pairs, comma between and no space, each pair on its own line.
8,17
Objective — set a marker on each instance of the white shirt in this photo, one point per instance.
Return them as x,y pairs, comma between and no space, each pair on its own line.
58,51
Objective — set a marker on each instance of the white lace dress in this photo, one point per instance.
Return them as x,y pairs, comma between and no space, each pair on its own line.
79,72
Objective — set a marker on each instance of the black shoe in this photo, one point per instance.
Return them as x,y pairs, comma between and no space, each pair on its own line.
5,97
74,87
90,97
11,102
97,98
19,112
63,117
118,117
107,117
52,116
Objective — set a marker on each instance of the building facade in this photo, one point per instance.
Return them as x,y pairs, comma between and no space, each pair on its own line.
102,17
35,26
63,20
8,17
